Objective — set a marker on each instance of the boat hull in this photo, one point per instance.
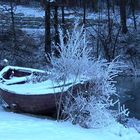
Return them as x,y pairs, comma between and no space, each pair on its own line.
45,104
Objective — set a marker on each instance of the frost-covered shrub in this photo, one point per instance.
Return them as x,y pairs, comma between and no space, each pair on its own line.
90,107
74,55
93,107
88,112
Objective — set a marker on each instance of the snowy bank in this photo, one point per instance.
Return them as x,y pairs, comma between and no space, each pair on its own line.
15,126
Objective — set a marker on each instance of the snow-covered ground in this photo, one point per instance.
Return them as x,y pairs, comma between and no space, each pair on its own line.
39,12
30,11
21,127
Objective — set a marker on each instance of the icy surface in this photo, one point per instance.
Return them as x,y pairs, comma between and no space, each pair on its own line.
20,127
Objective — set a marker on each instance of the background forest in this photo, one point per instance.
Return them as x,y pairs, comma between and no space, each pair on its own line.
28,37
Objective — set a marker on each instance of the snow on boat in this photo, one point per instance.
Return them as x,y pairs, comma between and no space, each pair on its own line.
20,95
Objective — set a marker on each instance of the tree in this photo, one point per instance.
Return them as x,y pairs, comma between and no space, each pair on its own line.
47,30
109,19
122,4
56,37
63,14
13,22
95,5
133,8
84,17
56,22
113,6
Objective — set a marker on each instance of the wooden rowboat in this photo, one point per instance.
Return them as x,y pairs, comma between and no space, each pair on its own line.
44,104
36,98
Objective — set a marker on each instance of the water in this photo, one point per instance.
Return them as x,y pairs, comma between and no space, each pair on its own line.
129,91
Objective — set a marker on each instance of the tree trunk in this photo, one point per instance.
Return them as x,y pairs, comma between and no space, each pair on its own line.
63,19
63,14
95,5
56,38
84,17
13,23
109,21
47,31
122,4
133,8
113,6
56,23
